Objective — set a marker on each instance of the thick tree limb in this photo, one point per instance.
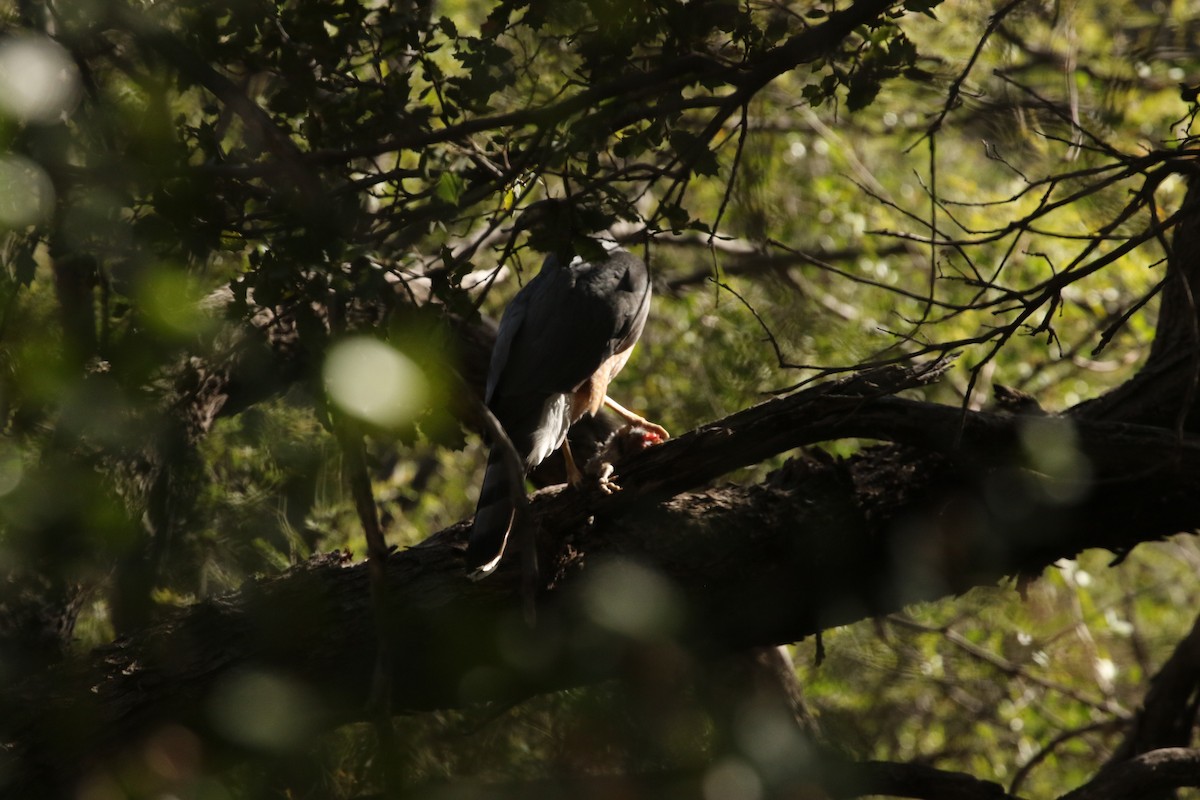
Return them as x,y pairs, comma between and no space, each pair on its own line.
838,779
819,543
1163,392
912,780
1155,773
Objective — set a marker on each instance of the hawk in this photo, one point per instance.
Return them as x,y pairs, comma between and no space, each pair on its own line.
564,336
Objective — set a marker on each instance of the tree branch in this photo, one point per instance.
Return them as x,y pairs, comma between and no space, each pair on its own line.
838,778
819,543
1156,772
913,780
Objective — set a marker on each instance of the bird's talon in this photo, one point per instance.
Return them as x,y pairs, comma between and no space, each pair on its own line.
608,486
604,479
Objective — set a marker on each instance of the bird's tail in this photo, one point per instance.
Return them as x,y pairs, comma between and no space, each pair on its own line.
493,517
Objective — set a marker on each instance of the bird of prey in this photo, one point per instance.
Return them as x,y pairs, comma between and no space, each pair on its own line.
560,341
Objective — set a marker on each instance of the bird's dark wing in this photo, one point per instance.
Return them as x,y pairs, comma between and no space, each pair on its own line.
512,322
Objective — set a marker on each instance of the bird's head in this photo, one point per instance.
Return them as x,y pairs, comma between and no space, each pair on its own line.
564,228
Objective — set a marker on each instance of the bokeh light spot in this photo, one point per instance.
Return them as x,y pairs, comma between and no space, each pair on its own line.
1052,446
173,753
732,779
26,192
12,468
370,380
630,599
171,304
39,81
266,712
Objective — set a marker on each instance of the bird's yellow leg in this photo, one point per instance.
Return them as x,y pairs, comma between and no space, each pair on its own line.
636,419
574,476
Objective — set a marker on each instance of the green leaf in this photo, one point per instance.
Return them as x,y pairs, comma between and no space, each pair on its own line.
676,216
923,7
449,187
694,152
